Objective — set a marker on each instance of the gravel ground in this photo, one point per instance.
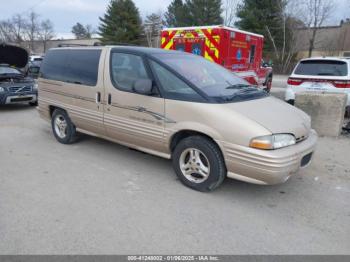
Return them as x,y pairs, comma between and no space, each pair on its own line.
96,197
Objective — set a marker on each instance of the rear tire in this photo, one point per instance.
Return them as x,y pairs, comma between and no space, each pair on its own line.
62,127
33,103
199,164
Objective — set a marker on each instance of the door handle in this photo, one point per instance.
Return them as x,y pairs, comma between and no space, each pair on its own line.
109,99
98,97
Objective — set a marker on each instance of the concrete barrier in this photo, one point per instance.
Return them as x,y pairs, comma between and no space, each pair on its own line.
325,109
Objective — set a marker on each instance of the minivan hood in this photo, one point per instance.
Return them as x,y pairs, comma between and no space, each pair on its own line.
275,115
13,55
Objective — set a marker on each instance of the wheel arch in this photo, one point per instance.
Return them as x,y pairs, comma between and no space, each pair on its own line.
52,108
181,134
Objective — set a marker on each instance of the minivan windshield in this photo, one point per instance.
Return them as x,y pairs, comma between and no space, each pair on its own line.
322,68
212,79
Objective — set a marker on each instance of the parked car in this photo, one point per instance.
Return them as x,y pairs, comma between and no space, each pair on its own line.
15,86
35,58
326,74
33,70
211,123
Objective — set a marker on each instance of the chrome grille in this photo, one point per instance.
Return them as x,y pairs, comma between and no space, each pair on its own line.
20,89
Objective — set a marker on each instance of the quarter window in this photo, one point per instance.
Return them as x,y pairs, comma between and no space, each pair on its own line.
72,66
126,69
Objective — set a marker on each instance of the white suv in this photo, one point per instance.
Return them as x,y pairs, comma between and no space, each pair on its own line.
329,74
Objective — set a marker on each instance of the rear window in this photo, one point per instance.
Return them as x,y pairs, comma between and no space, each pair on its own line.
72,66
322,68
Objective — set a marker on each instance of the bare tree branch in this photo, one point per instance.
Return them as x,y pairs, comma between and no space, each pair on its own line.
46,32
317,13
230,9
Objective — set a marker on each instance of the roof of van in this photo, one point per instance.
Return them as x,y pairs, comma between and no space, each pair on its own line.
141,49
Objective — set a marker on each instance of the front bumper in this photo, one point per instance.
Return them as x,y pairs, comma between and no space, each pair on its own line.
268,167
15,98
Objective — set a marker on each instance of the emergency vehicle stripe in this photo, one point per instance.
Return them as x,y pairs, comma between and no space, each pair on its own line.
195,34
210,37
211,51
210,55
168,41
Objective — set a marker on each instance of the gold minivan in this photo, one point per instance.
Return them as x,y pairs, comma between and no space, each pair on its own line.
211,123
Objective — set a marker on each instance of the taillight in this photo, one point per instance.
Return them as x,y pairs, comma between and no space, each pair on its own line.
294,81
341,84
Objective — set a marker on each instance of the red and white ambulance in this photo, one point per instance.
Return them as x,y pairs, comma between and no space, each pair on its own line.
237,50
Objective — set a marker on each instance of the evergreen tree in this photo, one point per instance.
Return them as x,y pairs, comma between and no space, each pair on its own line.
256,16
204,12
121,23
176,14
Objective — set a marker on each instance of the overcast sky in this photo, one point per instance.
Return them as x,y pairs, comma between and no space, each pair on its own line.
65,13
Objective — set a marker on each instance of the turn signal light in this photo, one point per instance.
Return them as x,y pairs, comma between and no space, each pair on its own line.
261,144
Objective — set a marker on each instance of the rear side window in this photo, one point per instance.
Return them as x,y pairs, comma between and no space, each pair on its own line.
72,66
322,68
126,69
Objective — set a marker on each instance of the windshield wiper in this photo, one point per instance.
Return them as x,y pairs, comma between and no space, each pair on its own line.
245,93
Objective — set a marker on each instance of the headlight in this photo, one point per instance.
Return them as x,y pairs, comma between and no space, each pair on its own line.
2,89
273,141
35,86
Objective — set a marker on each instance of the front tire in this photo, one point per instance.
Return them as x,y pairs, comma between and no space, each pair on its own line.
62,127
199,164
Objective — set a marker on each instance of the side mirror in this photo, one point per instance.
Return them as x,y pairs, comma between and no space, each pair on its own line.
143,86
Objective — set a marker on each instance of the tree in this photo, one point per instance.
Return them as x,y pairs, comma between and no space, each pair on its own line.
276,20
90,31
18,29
80,31
204,12
230,9
6,31
46,32
32,28
121,23
256,16
176,14
18,26
152,25
317,12
284,47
